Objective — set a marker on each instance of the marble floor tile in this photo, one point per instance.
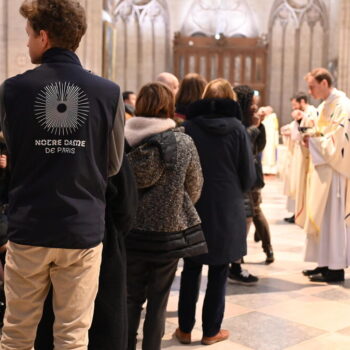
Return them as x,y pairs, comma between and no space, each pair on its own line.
325,342
264,332
313,311
284,310
345,331
256,301
335,294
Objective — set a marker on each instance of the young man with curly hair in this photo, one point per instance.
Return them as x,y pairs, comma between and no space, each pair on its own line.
64,131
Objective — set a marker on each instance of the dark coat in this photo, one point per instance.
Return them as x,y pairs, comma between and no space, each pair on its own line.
228,169
109,325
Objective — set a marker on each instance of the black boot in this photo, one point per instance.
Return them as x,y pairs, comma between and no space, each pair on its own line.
269,256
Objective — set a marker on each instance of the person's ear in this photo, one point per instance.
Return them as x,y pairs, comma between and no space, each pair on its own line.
44,39
324,83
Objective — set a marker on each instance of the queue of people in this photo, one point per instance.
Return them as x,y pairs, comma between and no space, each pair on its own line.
97,229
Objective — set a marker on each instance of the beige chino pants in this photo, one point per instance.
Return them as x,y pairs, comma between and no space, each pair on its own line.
29,272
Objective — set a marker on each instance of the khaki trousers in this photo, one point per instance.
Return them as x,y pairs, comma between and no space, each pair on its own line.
29,272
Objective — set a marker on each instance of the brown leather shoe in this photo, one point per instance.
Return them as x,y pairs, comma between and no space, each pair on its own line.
222,335
182,337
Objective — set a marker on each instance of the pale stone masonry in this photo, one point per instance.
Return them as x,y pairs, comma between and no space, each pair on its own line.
344,48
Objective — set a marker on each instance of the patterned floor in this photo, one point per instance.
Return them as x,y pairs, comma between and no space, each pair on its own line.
284,311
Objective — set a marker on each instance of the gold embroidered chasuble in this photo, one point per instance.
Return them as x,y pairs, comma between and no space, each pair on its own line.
301,166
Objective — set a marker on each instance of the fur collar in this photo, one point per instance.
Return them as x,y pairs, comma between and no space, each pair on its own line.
214,108
139,128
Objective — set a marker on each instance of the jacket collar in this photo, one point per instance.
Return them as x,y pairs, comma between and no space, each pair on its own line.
139,128
55,55
214,108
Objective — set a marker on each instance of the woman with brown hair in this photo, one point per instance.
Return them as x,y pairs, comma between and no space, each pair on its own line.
228,170
191,90
169,178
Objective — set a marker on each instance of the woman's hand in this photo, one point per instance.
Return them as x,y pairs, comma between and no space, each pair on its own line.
3,161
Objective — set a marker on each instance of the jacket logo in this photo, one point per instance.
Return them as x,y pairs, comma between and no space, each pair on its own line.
61,108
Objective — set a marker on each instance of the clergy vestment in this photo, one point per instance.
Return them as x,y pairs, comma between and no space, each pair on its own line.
301,165
286,132
327,224
272,139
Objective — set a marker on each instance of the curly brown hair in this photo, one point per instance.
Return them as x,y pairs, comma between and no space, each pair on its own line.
64,20
155,100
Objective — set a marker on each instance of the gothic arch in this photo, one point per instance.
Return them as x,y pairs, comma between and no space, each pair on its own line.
137,41
298,39
233,18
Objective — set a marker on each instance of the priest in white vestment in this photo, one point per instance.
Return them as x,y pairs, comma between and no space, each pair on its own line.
269,155
296,161
305,116
328,209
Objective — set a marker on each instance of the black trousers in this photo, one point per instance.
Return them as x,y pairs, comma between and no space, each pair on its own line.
151,281
214,301
261,225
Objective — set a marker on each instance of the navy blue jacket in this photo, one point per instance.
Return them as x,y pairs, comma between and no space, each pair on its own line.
228,169
58,120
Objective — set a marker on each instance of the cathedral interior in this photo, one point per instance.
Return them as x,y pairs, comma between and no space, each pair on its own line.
269,45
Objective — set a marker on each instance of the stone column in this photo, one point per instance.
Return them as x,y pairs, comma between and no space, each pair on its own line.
344,48
14,57
91,46
3,40
18,60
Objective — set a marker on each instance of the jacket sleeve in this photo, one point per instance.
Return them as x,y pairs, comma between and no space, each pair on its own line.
122,198
194,176
116,141
260,141
246,167
253,133
2,113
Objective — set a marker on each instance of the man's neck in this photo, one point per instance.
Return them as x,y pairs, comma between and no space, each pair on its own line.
329,92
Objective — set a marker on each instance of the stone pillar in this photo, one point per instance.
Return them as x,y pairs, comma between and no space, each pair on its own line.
14,57
3,40
344,48
18,60
91,46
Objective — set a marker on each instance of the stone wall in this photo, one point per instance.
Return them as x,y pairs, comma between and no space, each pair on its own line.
344,48
3,35
14,58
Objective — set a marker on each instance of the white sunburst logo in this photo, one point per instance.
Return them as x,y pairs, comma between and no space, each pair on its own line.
61,108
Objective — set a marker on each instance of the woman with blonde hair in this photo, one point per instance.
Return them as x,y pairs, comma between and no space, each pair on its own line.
228,170
191,90
169,179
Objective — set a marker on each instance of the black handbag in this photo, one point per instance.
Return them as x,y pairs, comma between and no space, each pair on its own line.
259,183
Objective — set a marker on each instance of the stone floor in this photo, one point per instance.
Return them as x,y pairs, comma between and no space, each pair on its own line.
284,311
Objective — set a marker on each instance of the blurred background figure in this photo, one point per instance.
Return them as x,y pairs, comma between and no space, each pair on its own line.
191,90
170,80
129,98
296,162
269,157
